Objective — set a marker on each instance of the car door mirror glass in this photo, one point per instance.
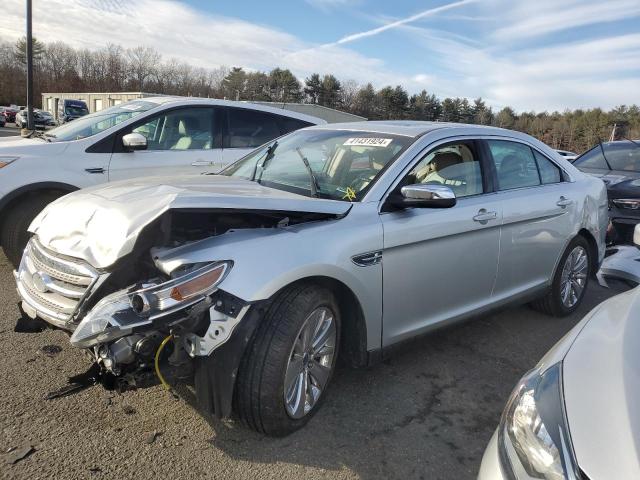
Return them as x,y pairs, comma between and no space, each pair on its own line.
134,141
426,196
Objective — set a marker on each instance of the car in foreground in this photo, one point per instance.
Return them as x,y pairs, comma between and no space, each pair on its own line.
618,164
158,135
260,277
575,415
567,155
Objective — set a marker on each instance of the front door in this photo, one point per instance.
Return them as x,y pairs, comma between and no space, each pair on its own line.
440,264
180,141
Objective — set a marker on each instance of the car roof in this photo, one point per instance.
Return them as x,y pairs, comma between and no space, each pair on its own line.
162,100
414,128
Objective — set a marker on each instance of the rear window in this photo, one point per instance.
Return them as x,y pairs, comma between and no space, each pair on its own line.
251,128
619,156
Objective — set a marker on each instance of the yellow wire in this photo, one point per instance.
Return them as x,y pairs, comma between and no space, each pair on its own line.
157,362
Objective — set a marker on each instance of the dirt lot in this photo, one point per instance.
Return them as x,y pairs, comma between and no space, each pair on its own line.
427,413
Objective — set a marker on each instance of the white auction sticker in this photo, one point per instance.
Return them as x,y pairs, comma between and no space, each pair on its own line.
368,142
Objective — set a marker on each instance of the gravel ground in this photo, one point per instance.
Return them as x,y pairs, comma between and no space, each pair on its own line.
427,413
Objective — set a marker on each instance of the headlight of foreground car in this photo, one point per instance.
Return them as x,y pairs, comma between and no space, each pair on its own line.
534,440
116,315
6,160
627,203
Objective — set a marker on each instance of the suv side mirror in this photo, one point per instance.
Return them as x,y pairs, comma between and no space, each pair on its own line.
424,196
134,141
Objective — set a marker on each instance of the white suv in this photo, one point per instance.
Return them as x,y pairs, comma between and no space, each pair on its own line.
150,136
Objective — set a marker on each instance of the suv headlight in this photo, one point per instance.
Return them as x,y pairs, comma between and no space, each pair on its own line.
627,203
116,315
6,160
534,440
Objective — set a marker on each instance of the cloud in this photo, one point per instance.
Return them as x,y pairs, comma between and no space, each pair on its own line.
525,20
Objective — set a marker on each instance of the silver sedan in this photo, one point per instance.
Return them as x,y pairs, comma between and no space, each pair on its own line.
336,240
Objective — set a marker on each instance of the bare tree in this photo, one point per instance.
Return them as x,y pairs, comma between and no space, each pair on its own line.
142,63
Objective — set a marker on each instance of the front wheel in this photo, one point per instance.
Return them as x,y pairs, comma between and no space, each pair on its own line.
569,282
289,364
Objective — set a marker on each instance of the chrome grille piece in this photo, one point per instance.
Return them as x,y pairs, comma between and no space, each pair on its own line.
53,285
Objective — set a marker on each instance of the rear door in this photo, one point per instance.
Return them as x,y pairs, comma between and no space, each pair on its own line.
183,140
539,213
246,129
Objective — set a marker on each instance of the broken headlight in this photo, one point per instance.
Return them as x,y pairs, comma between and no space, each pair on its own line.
118,314
534,440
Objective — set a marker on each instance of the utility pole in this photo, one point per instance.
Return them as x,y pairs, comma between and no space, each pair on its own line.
29,69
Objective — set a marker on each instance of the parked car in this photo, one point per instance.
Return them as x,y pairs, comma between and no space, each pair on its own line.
69,110
567,155
41,119
159,135
618,164
3,119
574,416
9,113
263,275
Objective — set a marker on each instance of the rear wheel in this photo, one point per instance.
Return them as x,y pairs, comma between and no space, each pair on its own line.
569,282
14,234
287,368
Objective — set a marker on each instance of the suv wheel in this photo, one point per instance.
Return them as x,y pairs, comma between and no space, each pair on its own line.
569,282
14,235
290,362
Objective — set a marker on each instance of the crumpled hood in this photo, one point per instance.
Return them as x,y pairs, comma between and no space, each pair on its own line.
601,375
615,177
101,224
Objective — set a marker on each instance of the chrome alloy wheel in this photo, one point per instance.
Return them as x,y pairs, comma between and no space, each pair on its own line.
574,276
310,363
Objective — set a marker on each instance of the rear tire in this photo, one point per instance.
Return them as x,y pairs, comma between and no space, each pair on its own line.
275,369
570,280
14,235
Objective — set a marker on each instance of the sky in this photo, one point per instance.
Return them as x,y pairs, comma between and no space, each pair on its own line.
528,54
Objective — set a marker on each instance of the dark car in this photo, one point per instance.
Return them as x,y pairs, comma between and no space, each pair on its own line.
618,164
69,110
41,119
3,119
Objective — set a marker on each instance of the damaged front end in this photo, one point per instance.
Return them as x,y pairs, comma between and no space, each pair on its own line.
143,319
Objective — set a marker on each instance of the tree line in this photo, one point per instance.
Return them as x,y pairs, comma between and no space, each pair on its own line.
61,68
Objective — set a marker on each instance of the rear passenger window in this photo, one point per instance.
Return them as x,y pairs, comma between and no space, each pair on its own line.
592,159
251,128
288,124
515,165
549,173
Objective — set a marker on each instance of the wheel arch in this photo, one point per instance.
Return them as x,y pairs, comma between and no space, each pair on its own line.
353,344
593,246
32,189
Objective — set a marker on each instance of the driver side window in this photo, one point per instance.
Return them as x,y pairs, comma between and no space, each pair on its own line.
455,165
181,129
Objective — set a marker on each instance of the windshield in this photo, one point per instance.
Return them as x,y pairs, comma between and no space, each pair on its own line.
622,155
341,165
97,122
75,110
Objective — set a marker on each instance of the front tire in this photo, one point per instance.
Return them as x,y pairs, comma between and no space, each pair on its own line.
284,375
14,235
569,281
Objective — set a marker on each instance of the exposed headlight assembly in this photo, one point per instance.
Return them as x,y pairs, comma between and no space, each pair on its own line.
6,160
118,314
534,440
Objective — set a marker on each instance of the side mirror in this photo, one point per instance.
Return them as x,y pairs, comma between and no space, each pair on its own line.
134,141
424,196
636,235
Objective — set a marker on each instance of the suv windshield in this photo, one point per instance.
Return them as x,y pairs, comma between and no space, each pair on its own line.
75,110
340,165
621,155
97,122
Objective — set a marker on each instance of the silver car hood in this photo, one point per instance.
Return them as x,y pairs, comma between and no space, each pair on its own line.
601,375
101,224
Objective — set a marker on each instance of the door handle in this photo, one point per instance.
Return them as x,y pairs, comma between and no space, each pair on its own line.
202,163
484,216
564,202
